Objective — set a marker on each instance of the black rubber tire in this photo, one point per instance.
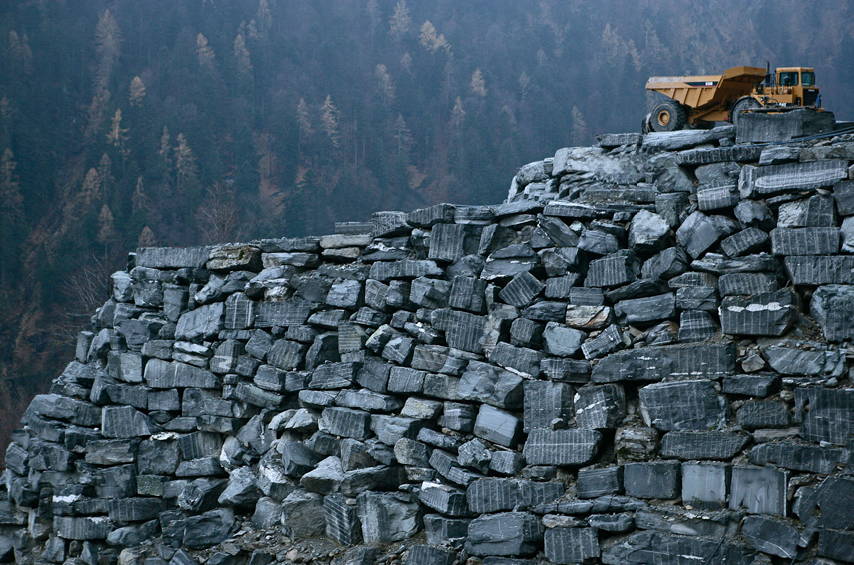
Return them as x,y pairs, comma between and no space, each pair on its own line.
646,126
740,105
668,116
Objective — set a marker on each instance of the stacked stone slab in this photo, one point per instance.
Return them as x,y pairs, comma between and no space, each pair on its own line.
640,357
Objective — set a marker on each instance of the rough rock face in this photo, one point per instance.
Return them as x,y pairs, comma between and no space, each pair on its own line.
640,357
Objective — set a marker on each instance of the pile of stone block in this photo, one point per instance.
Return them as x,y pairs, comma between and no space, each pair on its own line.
640,357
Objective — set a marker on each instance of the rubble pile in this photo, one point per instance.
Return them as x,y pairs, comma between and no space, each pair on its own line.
640,357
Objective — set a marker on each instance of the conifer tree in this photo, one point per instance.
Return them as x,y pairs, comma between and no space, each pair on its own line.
90,191
373,14
431,39
524,83
140,203
96,113
385,84
108,41
186,170
329,119
478,83
243,57
205,53
11,212
458,115
107,234
263,17
402,138
579,133
400,21
146,238
304,128
117,136
165,150
136,91
19,48
105,175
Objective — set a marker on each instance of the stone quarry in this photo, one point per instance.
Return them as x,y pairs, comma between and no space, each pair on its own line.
641,356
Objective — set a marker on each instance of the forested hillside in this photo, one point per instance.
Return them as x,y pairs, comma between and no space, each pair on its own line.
164,122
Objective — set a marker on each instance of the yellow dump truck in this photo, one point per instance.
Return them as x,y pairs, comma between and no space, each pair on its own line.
698,101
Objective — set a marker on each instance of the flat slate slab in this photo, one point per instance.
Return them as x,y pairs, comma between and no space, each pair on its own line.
657,363
682,405
561,447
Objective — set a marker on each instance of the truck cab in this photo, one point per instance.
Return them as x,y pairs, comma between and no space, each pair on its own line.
790,86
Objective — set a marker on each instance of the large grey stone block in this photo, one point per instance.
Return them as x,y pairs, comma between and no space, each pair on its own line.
59,407
663,547
209,528
166,375
444,499
702,445
463,330
647,309
172,257
303,514
820,269
508,533
203,322
561,340
771,535
797,456
521,359
495,495
657,479
600,407
832,306
698,233
497,426
763,314
826,414
82,527
429,555
747,240
805,241
544,402
760,490
621,267
345,422
775,179
483,382
387,517
657,363
124,422
342,521
747,284
593,482
571,545
705,484
682,405
561,447
334,375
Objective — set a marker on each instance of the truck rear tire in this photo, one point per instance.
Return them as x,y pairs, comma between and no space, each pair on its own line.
741,105
668,116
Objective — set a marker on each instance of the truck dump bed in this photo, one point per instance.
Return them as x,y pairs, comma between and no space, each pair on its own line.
709,91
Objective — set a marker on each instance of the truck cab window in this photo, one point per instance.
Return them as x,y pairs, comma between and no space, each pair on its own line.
788,79
808,78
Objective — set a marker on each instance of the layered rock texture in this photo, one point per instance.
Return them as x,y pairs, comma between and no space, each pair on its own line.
640,357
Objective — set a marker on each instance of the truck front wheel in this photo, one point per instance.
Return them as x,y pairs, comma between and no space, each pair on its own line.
740,106
668,116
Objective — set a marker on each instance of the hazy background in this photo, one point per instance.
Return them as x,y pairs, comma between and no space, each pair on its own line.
177,122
